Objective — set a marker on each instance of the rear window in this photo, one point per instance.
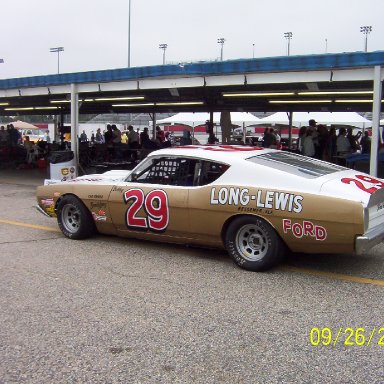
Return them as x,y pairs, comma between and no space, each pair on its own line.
296,164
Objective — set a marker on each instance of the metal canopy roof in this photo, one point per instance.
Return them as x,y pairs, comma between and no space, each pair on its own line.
327,82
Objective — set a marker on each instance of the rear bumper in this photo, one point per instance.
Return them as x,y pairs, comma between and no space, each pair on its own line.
371,238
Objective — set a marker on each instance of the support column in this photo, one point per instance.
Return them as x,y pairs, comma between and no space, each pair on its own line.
154,125
74,123
376,109
290,118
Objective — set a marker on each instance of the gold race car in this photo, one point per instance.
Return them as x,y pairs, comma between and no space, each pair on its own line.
256,203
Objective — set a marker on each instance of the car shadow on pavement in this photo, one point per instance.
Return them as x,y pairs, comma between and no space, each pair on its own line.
171,249
369,265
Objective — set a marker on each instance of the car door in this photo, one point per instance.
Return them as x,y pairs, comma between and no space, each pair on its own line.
153,201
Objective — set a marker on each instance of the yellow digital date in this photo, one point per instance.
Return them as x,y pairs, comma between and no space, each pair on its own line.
347,336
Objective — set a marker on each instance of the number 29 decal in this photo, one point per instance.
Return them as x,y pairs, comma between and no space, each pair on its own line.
377,184
155,204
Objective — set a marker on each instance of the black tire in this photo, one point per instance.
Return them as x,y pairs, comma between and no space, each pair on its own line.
74,218
253,244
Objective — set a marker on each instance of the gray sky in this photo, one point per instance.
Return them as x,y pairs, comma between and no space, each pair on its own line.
94,33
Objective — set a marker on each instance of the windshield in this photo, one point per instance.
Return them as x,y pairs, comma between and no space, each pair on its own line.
296,164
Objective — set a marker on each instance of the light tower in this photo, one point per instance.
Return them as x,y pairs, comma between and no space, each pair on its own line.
221,41
288,36
57,50
366,30
163,47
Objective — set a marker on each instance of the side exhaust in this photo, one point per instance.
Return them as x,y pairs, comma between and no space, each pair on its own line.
41,210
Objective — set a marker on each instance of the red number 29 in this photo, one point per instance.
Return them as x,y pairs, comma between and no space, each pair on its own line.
155,205
378,184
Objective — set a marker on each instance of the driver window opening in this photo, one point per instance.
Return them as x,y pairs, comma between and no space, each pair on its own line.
179,172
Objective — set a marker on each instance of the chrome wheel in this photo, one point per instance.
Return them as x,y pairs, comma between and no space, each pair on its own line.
252,242
71,218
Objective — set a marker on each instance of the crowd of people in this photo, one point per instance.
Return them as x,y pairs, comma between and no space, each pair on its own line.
314,140
19,148
10,136
317,141
126,145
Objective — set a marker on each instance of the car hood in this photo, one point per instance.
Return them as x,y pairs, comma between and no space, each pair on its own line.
109,177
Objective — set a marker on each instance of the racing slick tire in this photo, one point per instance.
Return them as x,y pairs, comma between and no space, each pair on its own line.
253,244
74,218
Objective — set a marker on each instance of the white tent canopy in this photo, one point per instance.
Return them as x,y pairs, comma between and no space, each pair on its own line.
198,118
23,125
327,118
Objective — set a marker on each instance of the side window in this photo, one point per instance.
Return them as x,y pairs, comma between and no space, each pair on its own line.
211,171
168,171
186,172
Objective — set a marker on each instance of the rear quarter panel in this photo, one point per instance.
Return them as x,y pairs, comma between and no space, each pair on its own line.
306,222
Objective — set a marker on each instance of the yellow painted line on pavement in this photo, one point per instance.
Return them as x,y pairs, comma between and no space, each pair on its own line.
18,223
334,276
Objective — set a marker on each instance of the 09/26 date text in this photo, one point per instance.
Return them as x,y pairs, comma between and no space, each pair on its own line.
347,336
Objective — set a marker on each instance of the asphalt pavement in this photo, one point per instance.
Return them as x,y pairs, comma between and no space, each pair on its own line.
110,310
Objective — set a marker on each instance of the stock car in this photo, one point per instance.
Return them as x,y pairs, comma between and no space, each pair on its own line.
256,203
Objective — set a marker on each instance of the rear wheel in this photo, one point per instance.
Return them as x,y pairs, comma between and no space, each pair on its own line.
253,244
74,219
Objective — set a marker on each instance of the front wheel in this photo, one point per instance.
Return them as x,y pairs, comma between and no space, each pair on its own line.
74,219
253,244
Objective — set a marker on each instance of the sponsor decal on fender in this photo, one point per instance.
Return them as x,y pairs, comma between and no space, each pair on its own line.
304,229
100,215
280,201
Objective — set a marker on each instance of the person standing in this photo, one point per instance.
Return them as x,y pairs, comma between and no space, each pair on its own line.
124,138
353,140
160,137
302,134
99,138
108,139
365,143
116,142
308,144
330,148
343,145
269,139
3,136
83,137
14,136
47,137
133,138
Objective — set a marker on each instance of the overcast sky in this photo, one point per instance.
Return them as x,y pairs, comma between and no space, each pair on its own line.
94,33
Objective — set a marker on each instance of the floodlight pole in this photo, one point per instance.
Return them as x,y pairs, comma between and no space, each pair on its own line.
58,50
221,41
366,30
129,34
288,36
163,47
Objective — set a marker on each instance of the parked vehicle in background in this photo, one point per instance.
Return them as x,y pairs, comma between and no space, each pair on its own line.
35,135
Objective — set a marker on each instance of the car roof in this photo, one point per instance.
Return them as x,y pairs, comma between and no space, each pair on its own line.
223,153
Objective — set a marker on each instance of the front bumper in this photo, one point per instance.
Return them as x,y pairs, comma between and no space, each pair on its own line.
371,238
